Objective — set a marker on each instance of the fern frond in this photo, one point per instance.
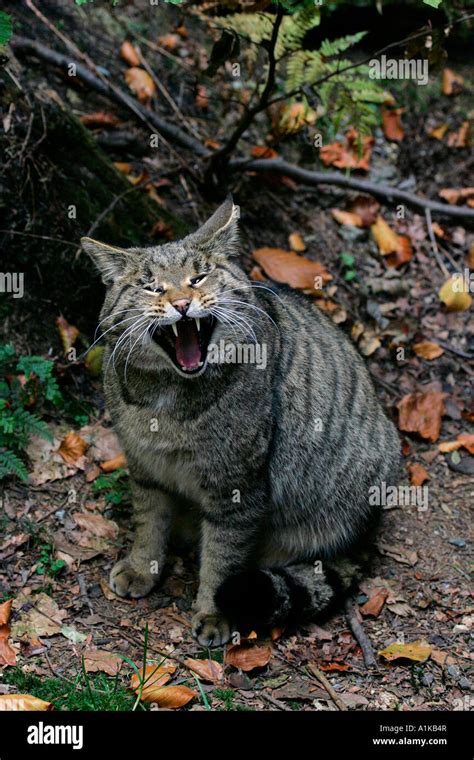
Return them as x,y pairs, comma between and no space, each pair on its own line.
330,48
11,464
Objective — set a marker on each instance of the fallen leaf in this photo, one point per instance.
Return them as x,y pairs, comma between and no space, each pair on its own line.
5,611
366,207
141,83
460,137
391,124
154,677
438,132
396,247
418,651
441,658
417,473
296,242
398,553
68,333
368,344
288,267
428,350
375,603
451,83
72,448
201,100
42,616
23,702
123,167
169,41
99,119
334,666
347,155
170,697
114,464
421,412
347,217
454,294
207,670
97,660
248,656
129,54
454,195
96,524
465,440
261,151
93,360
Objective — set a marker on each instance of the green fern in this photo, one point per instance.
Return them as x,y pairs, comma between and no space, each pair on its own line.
24,382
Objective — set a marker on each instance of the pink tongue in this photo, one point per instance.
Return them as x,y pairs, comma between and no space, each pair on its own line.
187,348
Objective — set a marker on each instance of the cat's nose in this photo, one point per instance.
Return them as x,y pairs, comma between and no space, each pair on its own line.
182,305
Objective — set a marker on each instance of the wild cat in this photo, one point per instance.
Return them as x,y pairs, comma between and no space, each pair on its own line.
272,464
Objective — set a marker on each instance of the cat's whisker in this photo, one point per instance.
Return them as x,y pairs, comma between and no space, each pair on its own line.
110,316
128,331
250,306
117,324
254,286
142,334
237,319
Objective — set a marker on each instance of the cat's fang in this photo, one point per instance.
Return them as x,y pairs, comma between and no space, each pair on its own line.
198,323
174,328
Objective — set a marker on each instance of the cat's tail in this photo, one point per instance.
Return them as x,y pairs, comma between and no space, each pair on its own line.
275,596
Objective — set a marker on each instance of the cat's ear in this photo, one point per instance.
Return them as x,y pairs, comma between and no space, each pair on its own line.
109,260
220,234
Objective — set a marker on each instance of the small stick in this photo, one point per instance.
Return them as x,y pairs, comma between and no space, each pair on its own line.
276,703
359,634
324,682
434,244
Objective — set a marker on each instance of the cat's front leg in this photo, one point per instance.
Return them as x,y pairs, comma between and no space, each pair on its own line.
226,543
136,574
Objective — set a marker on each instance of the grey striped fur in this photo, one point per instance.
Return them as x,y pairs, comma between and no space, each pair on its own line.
265,468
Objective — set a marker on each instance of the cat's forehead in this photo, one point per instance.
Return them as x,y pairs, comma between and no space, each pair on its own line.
171,256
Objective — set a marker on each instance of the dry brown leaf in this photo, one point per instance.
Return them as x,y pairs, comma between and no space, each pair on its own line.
123,167
418,651
460,137
454,294
296,242
447,446
207,670
456,195
347,217
97,660
96,524
467,441
41,618
5,611
367,208
262,151
169,697
347,155
375,603
428,350
7,653
169,41
451,83
288,267
248,656
391,124
441,658
114,464
438,132
99,119
417,473
72,448
22,702
421,412
155,677
396,247
68,333
129,54
399,553
141,83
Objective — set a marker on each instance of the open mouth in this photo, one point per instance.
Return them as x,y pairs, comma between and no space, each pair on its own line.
186,342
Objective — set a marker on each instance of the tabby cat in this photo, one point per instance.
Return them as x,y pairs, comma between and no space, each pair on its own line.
268,465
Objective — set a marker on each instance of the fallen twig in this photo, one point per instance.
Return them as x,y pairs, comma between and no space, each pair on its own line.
309,177
324,682
359,634
434,244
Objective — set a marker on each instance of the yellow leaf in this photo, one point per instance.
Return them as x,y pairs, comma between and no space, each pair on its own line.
428,350
67,332
296,242
16,702
454,294
419,651
169,697
386,239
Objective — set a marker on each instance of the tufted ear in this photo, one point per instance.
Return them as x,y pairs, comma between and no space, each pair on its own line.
109,260
220,234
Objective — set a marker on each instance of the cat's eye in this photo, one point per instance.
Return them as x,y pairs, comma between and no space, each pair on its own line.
199,278
157,289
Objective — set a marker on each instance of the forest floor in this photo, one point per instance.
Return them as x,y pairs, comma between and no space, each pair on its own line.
73,641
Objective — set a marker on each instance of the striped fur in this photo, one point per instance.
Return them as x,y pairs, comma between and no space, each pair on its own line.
271,467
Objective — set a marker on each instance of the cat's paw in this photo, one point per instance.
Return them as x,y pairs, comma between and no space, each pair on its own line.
211,629
125,580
